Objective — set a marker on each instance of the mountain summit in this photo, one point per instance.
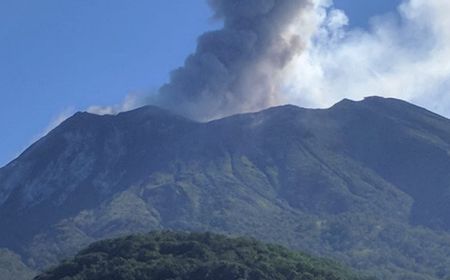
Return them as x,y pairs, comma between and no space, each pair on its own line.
366,182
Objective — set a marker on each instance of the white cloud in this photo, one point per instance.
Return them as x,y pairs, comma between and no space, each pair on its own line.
406,57
132,101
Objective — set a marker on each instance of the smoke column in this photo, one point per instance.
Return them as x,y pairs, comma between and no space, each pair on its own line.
237,68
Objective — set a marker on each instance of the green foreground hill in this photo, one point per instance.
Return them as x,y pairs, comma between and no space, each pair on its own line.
193,256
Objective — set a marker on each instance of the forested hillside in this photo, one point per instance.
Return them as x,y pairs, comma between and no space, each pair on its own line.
182,256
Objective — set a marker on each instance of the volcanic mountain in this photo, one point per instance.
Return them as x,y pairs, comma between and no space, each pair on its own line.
366,182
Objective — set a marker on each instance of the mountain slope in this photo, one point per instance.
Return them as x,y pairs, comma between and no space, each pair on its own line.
169,255
11,267
366,182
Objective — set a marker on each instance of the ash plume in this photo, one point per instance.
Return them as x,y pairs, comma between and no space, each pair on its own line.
236,69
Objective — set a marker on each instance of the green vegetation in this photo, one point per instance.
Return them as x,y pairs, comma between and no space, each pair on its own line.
194,256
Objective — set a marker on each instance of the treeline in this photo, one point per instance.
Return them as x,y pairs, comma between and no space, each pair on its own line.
189,256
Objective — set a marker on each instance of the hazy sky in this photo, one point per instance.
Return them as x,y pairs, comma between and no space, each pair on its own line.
61,56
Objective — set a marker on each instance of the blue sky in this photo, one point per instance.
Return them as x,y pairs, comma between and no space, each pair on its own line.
60,56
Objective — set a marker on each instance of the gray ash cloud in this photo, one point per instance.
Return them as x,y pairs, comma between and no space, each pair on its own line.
236,69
